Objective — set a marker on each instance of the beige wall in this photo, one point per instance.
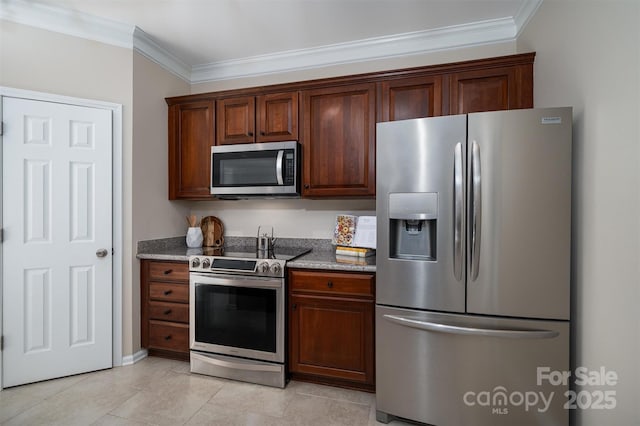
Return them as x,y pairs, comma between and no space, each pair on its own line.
154,216
588,57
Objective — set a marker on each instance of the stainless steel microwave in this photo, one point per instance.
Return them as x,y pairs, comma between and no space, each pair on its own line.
256,170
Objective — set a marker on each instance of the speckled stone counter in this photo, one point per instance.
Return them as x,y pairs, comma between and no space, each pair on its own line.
325,259
322,255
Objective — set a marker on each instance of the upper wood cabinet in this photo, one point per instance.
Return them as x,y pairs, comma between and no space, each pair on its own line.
408,98
491,89
277,117
265,118
191,136
236,120
334,119
339,141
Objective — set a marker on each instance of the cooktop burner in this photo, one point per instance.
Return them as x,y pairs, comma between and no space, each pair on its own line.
281,253
244,260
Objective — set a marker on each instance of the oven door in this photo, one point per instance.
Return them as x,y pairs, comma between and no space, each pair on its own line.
237,315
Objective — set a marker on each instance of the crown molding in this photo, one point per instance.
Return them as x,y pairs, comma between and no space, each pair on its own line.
147,47
414,43
524,15
128,36
67,22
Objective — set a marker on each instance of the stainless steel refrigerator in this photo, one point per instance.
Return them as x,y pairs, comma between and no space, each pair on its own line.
473,268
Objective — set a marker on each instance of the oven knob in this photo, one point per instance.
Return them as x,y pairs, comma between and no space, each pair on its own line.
263,267
206,263
195,262
276,269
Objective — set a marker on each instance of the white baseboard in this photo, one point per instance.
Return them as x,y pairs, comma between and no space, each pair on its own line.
132,359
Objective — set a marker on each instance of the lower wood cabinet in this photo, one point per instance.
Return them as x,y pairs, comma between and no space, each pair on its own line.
164,295
331,328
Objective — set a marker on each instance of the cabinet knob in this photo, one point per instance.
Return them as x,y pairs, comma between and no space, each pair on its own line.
262,133
168,337
330,284
306,186
168,292
167,312
168,271
294,306
250,133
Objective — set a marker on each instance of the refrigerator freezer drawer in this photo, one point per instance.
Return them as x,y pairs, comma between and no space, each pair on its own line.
450,370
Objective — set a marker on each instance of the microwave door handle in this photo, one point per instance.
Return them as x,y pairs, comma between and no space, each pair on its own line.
279,167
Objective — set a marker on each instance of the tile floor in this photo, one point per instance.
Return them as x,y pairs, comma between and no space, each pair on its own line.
158,391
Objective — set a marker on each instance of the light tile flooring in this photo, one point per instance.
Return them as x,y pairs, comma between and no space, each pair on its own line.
158,391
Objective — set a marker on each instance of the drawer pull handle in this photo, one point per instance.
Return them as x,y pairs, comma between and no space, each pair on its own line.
167,312
168,292
167,337
168,271
330,284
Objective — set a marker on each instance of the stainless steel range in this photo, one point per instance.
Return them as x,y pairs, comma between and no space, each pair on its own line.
237,314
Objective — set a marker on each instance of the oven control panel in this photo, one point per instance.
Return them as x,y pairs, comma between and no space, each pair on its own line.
226,265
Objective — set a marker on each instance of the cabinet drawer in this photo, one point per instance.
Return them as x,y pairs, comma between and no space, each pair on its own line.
169,336
176,312
326,283
169,292
168,271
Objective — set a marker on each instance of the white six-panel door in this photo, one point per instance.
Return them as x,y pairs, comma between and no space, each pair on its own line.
57,223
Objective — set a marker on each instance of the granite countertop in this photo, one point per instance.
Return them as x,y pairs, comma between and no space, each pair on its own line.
321,256
326,259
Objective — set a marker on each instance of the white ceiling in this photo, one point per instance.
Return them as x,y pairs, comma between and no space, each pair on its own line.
215,39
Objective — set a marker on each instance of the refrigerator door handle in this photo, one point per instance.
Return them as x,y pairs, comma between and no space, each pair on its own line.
476,209
458,201
475,331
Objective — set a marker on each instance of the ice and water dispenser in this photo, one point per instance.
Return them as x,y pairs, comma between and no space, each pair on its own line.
413,225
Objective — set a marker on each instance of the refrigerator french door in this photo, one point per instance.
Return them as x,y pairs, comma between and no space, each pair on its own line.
473,266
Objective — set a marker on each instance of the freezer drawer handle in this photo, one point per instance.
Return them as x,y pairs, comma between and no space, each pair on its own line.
489,332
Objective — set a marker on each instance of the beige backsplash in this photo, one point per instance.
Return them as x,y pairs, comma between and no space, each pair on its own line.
296,218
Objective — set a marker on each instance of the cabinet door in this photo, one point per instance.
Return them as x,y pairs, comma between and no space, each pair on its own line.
236,120
491,89
410,98
277,117
339,141
191,136
332,337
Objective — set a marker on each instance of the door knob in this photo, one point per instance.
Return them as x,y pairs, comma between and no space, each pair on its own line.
102,252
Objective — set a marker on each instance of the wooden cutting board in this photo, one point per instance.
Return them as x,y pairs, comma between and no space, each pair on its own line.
212,232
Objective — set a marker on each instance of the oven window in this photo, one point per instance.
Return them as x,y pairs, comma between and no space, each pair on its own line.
240,317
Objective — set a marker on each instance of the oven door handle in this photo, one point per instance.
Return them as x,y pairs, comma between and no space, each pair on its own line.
237,365
235,281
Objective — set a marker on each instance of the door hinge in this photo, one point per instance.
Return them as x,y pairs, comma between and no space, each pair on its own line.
1,128
1,235
1,343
